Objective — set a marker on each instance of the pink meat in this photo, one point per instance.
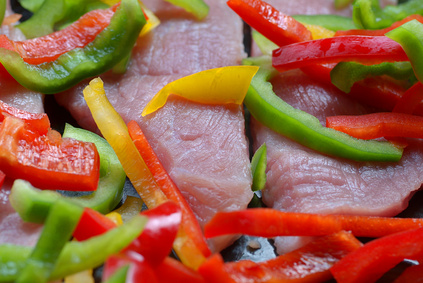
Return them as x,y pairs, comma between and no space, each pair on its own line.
203,148
302,180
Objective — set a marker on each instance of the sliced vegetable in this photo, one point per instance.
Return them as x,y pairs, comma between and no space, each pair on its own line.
342,4
197,7
129,208
331,22
215,86
411,274
376,125
410,36
49,47
2,10
119,276
91,224
364,49
47,161
274,25
371,261
2,177
190,245
95,58
345,74
60,223
306,129
258,168
266,222
172,270
410,100
369,15
310,263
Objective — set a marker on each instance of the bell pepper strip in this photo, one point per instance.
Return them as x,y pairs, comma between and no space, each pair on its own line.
190,235
118,276
368,14
114,129
331,22
2,10
172,270
115,217
411,39
410,100
152,20
342,4
2,177
33,205
318,32
363,49
266,222
376,125
92,223
51,13
345,74
62,163
380,32
411,274
49,47
85,276
196,7
273,24
258,168
129,208
214,86
306,129
95,58
310,263
39,122
371,261
75,256
60,223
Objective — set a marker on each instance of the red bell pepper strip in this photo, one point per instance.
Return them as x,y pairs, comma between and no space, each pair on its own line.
411,99
172,270
376,125
49,47
411,274
266,222
2,177
310,263
191,233
372,32
276,26
38,121
371,261
47,161
92,223
364,49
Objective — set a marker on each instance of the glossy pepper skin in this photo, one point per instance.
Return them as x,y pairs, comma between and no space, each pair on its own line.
306,129
111,46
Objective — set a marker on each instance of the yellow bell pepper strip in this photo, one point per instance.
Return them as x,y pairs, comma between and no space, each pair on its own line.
114,129
95,58
258,168
60,223
410,36
306,129
196,7
318,32
215,86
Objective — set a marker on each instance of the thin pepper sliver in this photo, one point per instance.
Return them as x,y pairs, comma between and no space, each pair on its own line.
306,129
102,54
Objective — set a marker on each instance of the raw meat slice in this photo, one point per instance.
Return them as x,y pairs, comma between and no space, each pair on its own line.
302,180
203,148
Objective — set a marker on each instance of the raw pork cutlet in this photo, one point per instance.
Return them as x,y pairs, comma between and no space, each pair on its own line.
302,180
12,229
203,148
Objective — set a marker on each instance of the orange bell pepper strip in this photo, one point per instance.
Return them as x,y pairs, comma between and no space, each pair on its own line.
372,260
266,222
377,125
310,263
190,233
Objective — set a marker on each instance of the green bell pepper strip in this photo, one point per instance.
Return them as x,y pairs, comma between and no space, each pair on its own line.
306,129
345,74
119,276
410,36
60,223
258,168
31,5
330,22
196,7
53,12
368,14
111,46
75,256
2,10
33,205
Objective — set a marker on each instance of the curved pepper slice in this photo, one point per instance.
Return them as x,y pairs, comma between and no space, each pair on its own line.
377,125
410,100
197,7
215,86
49,47
306,129
365,49
95,58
